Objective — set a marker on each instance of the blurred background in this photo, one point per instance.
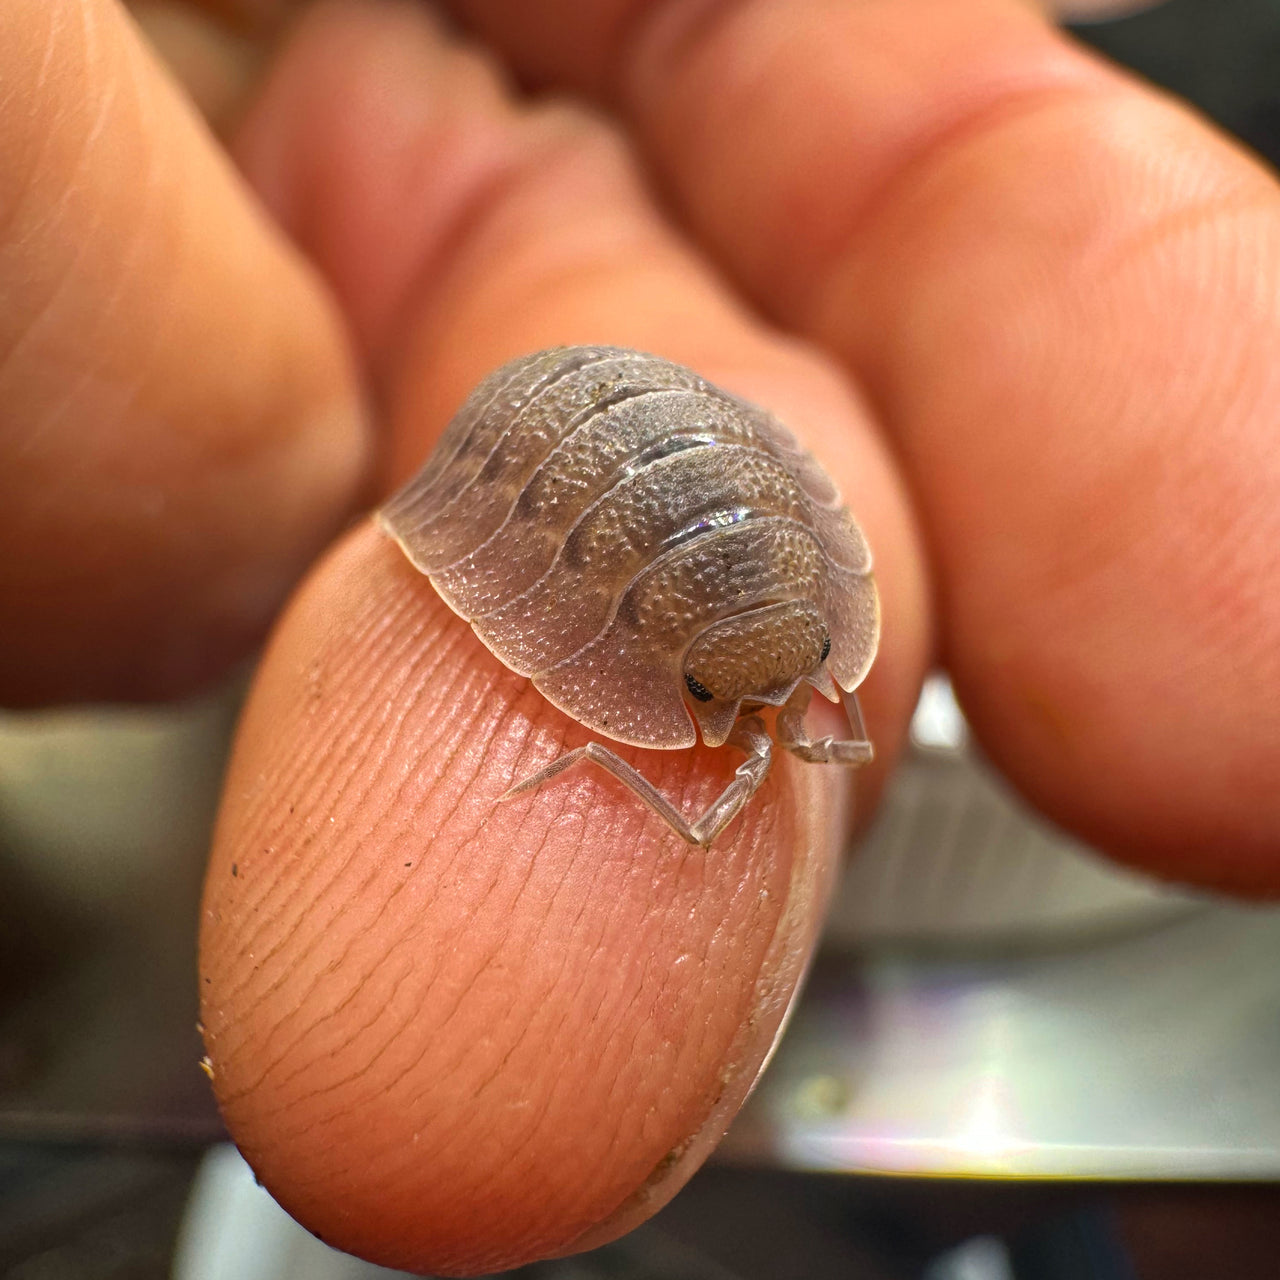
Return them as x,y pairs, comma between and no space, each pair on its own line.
1012,1061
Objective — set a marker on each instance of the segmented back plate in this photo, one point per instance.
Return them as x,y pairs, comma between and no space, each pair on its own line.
592,510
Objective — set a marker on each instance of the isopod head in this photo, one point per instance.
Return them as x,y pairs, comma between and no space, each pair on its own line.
756,656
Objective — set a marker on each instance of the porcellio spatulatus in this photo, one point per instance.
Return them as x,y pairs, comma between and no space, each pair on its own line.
652,552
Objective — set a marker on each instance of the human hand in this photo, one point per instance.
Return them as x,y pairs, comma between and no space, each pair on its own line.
1022,309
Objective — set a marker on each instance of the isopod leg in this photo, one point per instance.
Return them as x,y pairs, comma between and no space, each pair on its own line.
610,763
793,737
749,736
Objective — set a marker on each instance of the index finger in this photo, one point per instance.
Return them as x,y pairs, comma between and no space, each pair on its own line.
448,1033
1062,291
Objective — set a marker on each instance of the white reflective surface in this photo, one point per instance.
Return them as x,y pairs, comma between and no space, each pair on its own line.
1152,1055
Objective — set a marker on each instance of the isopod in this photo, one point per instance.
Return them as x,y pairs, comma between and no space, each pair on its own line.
653,553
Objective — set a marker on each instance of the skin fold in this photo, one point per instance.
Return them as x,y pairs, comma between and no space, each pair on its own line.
1023,309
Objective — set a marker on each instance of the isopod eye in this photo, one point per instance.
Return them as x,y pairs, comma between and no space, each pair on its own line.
826,649
699,691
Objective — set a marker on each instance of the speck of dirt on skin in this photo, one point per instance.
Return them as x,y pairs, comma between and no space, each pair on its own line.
665,1165
235,868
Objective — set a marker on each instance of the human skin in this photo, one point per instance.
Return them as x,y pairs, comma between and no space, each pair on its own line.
1023,309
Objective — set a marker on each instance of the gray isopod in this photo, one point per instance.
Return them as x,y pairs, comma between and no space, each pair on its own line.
645,546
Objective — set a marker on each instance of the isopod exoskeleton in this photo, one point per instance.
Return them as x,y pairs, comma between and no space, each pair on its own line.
653,553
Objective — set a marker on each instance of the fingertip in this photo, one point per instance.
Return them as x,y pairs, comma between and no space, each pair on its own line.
452,1035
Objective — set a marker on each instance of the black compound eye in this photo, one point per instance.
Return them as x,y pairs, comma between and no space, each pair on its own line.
699,691
826,649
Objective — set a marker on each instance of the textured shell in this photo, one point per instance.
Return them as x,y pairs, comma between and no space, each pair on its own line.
591,511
